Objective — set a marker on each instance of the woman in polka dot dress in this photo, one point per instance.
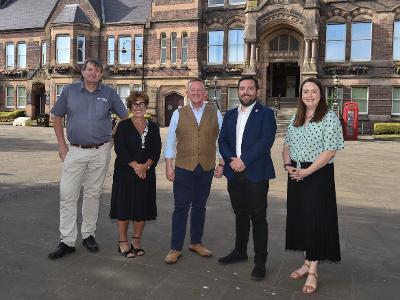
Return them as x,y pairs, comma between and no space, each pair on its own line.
312,139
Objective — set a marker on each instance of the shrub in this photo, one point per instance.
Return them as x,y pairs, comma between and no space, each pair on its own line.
7,116
386,128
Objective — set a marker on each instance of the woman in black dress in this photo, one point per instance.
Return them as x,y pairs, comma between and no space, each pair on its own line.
313,137
138,147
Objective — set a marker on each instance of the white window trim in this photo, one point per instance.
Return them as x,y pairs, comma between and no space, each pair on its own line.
6,94
394,39
351,45
26,96
130,50
163,36
185,35
69,48
208,47
172,48
236,45
326,42
83,49
57,85
142,49
352,99
393,113
108,51
18,55
7,55
44,54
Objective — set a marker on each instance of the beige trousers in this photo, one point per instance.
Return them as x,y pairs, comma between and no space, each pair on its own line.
87,168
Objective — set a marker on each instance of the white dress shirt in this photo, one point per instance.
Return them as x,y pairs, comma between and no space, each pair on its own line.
240,125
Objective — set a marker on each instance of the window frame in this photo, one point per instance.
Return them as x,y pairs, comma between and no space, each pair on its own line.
7,96
8,65
123,98
340,99
352,59
82,49
174,48
58,50
110,61
62,85
44,53
217,45
393,99
139,57
18,96
353,100
332,40
19,65
237,62
396,39
163,48
184,48
236,4
121,46
229,106
210,4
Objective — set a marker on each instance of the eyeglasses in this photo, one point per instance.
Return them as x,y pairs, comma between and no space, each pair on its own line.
139,104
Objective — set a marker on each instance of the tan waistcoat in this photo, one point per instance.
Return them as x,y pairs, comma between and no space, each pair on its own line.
196,144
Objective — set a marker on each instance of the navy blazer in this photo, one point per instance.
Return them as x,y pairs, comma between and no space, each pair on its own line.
258,138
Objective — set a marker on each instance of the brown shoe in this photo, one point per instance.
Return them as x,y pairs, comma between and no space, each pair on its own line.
172,256
200,250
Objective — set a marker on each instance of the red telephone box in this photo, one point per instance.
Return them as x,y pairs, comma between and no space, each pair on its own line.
350,121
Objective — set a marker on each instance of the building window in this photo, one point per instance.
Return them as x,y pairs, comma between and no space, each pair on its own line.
185,44
137,87
214,3
44,53
173,48
163,42
59,89
361,34
21,55
215,47
237,2
335,42
396,40
236,46
123,91
111,50
10,55
330,96
396,101
63,49
233,97
9,96
138,50
124,50
360,95
80,40
21,97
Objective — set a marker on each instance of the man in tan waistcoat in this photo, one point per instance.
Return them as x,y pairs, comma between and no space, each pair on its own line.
191,141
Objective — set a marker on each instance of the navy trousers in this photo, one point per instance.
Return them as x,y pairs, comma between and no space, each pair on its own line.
191,190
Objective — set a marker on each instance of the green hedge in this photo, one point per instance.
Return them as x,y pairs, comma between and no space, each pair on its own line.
386,128
7,116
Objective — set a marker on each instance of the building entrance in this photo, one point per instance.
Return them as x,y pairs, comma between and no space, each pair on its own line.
283,80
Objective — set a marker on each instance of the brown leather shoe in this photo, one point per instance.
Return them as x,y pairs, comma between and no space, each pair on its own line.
172,256
200,250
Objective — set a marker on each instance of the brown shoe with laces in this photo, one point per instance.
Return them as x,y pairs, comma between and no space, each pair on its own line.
172,256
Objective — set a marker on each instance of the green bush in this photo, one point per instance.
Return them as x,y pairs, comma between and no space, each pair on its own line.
7,116
386,128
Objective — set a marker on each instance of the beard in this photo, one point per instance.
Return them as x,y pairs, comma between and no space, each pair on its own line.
247,104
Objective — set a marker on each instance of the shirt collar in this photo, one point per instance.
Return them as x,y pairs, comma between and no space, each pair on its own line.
201,107
98,87
248,109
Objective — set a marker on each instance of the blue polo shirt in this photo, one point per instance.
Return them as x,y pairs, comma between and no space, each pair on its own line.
88,114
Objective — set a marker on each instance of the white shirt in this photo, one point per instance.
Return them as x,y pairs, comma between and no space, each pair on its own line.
240,125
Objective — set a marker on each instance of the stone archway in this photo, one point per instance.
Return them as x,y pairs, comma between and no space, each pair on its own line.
172,102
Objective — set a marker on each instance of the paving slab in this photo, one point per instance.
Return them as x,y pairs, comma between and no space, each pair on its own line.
367,183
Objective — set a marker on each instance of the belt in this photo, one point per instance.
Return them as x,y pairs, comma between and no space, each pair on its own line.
96,146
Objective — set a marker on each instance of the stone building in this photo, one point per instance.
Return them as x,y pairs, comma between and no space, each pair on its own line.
157,45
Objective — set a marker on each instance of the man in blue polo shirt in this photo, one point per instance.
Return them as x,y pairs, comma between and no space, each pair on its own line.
88,105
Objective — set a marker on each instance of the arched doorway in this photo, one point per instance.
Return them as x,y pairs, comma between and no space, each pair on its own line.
172,102
38,99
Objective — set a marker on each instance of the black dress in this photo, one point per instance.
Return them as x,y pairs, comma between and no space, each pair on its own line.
134,198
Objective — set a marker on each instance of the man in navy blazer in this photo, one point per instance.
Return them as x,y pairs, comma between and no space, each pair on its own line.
245,141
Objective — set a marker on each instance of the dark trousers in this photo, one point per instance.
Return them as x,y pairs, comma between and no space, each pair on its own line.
249,203
191,190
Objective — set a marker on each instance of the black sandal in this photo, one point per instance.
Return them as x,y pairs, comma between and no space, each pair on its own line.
137,251
127,252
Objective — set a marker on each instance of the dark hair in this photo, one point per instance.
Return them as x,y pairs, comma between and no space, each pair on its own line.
134,95
94,62
321,109
249,77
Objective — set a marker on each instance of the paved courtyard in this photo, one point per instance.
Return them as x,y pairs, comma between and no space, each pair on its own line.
368,188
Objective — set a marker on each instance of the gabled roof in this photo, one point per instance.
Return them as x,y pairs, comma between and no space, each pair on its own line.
71,13
126,11
22,14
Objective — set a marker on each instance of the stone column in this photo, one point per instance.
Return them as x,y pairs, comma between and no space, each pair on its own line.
253,55
314,50
306,51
